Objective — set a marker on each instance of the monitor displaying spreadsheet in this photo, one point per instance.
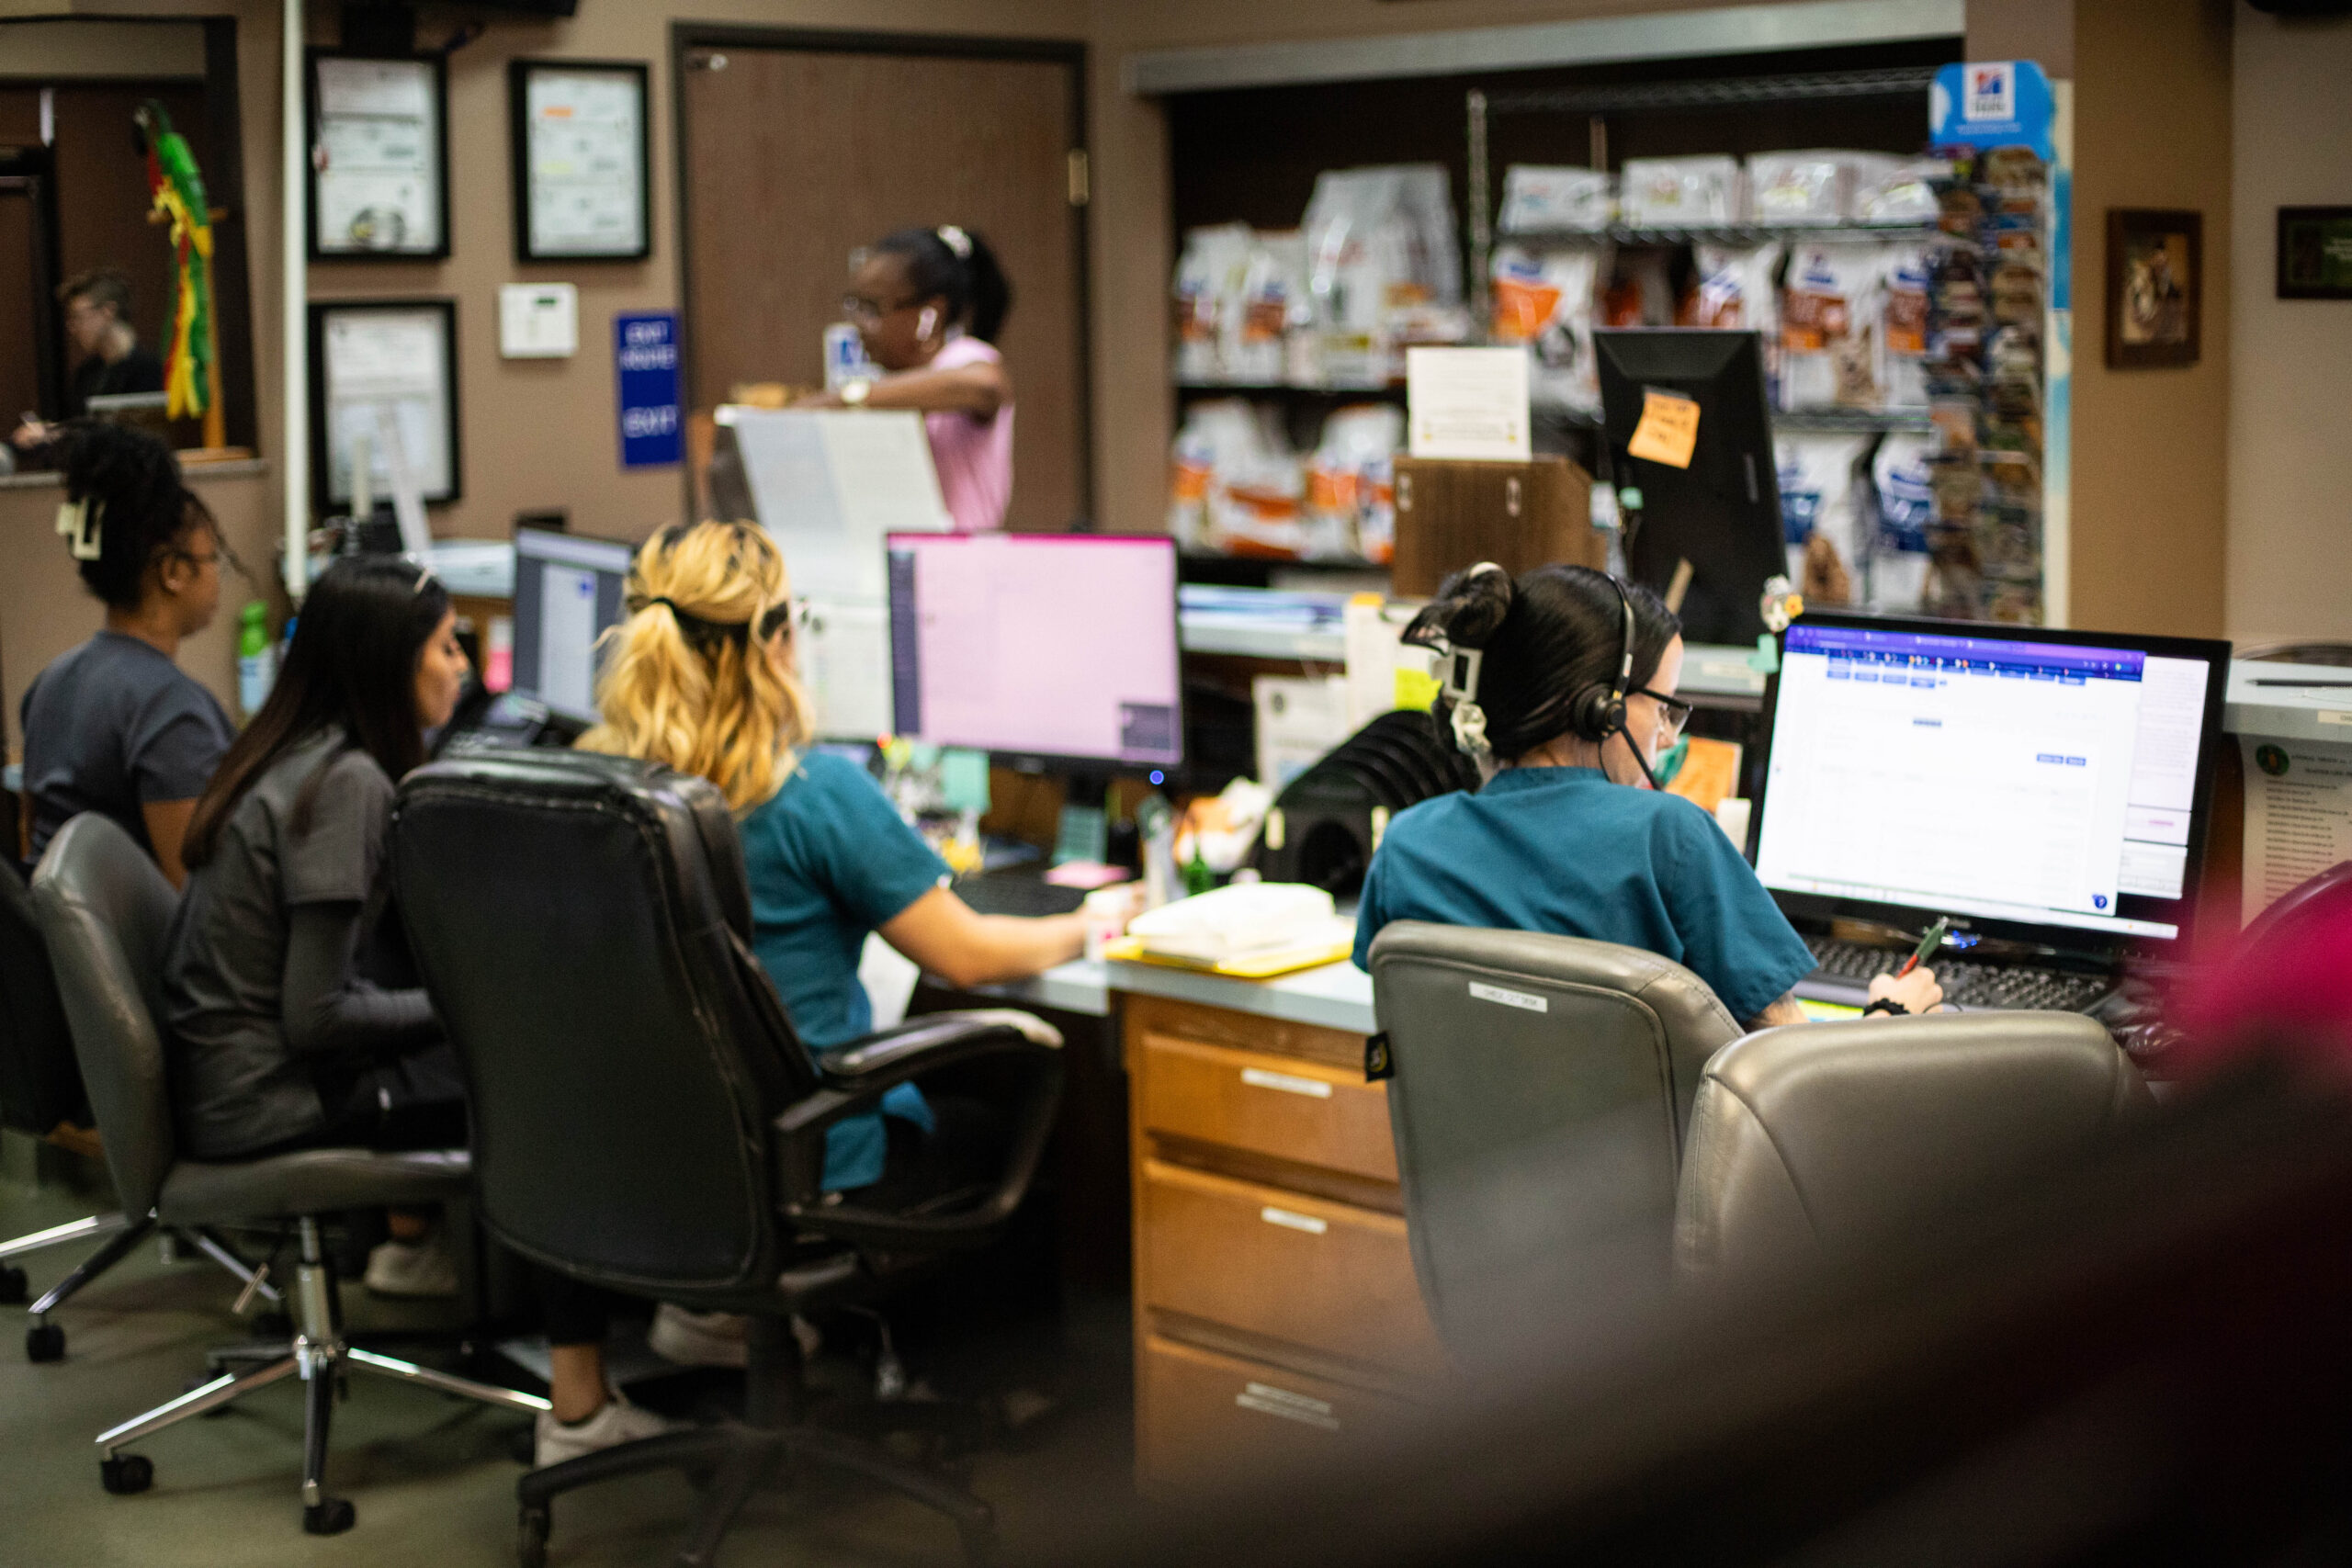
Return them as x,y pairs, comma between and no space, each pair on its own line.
567,592
2050,779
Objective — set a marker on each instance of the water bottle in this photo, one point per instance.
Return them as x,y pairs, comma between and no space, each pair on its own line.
257,658
845,358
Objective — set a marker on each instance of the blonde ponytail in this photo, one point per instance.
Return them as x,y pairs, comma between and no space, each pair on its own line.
689,679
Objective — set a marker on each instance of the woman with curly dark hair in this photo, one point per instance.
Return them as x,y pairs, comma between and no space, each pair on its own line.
116,725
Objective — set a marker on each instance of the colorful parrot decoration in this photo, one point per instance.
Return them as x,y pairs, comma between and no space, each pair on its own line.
192,372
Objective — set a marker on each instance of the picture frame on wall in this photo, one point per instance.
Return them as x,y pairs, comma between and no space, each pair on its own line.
2315,253
379,156
380,366
583,160
2155,287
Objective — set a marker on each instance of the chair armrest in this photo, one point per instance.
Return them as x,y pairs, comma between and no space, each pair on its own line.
855,1077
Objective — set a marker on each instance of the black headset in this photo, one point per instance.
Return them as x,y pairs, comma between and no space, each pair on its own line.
1598,712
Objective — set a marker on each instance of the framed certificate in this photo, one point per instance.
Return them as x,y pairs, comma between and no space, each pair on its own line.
581,161
384,382
379,156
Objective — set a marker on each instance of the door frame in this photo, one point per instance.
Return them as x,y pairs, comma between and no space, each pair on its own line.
688,37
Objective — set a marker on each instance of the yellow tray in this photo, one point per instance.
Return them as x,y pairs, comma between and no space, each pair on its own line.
1251,966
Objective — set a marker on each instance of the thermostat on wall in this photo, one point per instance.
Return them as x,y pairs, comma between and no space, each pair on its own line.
538,321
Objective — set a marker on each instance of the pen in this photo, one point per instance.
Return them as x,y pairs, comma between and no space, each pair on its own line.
1928,945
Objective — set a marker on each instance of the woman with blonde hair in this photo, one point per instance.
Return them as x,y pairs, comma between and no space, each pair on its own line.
701,677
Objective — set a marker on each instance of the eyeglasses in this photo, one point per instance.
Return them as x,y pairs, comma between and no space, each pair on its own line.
858,308
1673,714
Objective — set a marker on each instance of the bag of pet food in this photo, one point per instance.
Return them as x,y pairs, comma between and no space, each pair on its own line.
1803,187
1352,459
1903,326
1206,293
1545,299
1905,504
1538,200
1830,324
1822,494
1662,192
1272,303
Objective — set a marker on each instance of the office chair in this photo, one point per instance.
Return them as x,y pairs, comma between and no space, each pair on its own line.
645,1118
1808,1141
41,1096
107,913
1541,1085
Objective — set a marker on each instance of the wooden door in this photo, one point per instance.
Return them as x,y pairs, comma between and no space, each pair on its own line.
792,157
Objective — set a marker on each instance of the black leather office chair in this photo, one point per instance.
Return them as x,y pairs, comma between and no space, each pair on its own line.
107,914
41,1096
1541,1085
1812,1140
645,1118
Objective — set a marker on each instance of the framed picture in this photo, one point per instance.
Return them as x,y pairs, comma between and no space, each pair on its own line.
583,160
2155,287
2315,253
379,162
384,381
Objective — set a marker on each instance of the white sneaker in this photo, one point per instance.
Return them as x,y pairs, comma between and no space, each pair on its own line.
616,1421
417,1269
699,1338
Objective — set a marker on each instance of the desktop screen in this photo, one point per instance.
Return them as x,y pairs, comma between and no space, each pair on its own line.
1037,645
2002,776
567,591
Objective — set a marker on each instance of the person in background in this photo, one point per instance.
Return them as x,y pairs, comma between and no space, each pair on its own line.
930,303
1569,834
97,320
701,677
281,1038
116,725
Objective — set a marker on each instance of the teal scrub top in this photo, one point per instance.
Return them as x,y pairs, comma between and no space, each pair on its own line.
829,859
1564,849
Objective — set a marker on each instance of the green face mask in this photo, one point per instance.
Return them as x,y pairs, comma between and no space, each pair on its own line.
1669,762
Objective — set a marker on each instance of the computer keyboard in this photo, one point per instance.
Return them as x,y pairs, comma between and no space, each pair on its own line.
1969,982
1014,893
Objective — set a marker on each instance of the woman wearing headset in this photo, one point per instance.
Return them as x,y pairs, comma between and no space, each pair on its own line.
1571,701
930,303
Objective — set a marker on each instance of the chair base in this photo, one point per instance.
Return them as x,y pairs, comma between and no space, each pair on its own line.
321,1356
45,1341
741,1457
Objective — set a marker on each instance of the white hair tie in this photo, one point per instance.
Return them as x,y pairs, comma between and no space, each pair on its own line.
1470,730
956,240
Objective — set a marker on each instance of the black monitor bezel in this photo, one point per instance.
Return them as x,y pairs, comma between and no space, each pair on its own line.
2181,912
1053,761
515,604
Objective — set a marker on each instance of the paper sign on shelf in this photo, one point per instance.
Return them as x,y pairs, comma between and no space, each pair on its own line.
1668,431
1468,403
2297,816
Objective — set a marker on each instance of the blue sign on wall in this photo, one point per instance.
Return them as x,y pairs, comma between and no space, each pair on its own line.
645,359
1997,103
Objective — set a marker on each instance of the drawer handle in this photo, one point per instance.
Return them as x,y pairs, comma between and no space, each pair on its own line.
1288,1083
1268,1400
1296,1222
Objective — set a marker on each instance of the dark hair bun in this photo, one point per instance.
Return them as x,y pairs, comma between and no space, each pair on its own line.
133,484
1468,610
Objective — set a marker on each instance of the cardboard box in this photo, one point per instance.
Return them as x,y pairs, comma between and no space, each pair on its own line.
1451,516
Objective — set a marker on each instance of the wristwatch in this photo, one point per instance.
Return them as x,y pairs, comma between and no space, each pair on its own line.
855,393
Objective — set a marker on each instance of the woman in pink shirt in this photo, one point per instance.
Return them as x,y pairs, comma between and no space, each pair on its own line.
929,303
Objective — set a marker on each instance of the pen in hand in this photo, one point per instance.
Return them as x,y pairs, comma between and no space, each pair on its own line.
1928,945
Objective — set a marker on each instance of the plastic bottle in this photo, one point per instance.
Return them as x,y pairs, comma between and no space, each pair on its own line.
257,658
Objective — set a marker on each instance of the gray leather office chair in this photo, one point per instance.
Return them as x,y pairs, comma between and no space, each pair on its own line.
1541,1087
107,913
40,1094
1815,1139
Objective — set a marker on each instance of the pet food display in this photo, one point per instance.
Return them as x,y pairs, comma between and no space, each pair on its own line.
1663,193
1905,502
1822,493
1903,326
1547,298
1815,187
1382,267
1208,278
1350,485
1830,326
1542,199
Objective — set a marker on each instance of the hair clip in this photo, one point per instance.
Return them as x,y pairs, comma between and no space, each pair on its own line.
1460,680
1470,731
424,579
79,522
956,240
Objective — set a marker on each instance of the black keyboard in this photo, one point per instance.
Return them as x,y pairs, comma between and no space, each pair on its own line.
1014,893
1970,983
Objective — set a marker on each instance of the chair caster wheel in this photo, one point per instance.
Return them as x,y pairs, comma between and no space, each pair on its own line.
45,1342
531,1537
331,1518
126,1474
12,1285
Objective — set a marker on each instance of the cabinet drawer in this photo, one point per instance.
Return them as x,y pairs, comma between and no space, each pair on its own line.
1329,1277
1281,1106
1202,1417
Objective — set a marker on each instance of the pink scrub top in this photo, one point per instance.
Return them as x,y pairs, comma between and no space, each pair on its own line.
974,455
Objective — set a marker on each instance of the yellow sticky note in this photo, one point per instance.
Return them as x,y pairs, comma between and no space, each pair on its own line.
1416,688
1668,431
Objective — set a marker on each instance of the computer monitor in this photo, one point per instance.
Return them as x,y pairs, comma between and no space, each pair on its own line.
2048,787
567,593
1045,646
1722,514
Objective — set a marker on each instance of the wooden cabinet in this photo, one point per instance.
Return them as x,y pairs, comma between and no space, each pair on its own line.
1275,1301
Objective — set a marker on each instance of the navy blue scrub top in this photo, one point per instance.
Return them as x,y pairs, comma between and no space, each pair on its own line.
829,859
1565,850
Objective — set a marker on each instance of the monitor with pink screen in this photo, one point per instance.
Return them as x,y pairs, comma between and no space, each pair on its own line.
1055,645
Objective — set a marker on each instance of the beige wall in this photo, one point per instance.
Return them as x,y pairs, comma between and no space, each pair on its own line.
2290,377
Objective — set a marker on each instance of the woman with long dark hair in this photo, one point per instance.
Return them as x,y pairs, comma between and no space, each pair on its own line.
284,1037
929,304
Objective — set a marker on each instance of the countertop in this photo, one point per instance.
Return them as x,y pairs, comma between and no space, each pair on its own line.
1334,995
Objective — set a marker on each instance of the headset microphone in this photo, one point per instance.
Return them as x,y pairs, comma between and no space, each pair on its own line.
1600,714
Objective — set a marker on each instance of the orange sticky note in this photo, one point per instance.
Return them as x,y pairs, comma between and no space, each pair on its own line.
1668,431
